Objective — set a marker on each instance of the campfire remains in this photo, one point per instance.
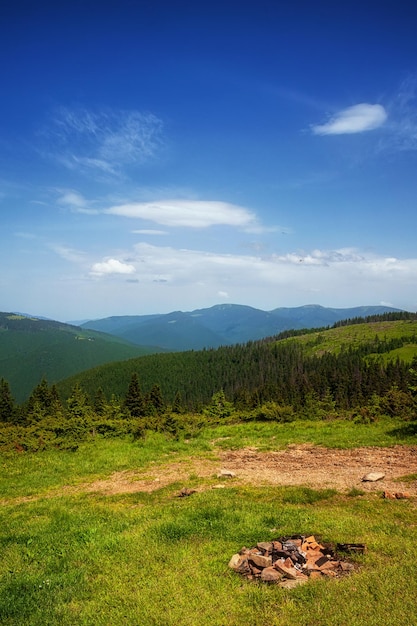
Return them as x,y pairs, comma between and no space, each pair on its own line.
292,561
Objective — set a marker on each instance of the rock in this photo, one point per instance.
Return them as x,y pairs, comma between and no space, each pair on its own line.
402,495
330,565
270,575
310,543
224,473
373,477
235,561
265,547
295,566
287,583
285,569
260,561
239,563
346,567
185,492
399,495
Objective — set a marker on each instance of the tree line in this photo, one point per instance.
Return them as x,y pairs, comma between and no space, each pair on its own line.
265,379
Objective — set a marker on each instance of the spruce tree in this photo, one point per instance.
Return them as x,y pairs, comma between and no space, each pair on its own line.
134,400
156,401
177,406
77,403
99,404
7,404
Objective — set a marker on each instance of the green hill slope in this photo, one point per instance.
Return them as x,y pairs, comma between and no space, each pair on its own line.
32,349
352,336
350,362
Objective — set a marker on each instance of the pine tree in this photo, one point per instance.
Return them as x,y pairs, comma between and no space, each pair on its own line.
134,400
99,404
40,402
155,401
77,403
177,406
7,404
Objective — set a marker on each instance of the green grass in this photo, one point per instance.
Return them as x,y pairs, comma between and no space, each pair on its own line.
154,559
333,339
332,434
26,474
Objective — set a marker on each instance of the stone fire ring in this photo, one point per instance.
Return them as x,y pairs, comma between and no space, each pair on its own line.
292,561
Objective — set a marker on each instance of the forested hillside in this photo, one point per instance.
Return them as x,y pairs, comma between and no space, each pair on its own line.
359,371
350,363
33,348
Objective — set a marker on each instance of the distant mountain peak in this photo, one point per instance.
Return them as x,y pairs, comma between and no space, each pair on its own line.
223,324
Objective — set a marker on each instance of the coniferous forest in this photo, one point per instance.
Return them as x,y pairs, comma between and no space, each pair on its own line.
294,375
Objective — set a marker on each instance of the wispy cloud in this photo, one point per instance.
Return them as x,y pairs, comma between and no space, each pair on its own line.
69,254
401,132
149,231
104,142
188,213
74,201
355,119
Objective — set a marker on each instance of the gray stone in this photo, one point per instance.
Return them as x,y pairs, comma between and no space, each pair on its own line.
373,477
224,473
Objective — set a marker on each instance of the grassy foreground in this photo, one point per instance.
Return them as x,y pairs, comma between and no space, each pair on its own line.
154,559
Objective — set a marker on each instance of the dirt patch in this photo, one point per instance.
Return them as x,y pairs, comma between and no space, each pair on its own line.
308,465
312,466
319,467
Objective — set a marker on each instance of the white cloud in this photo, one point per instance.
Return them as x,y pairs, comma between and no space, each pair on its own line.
112,266
173,278
149,231
158,279
103,142
187,213
355,119
189,266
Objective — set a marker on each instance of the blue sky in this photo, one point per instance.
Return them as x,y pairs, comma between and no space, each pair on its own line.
160,156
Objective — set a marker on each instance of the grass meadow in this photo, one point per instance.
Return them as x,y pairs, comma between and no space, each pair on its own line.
73,557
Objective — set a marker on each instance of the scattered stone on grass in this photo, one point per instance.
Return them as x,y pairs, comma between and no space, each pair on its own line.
185,492
225,473
292,561
398,495
372,477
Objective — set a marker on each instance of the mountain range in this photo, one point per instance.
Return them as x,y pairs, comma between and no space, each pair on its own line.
223,324
32,348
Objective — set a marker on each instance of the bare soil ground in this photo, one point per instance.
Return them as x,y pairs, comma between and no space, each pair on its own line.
299,464
308,465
